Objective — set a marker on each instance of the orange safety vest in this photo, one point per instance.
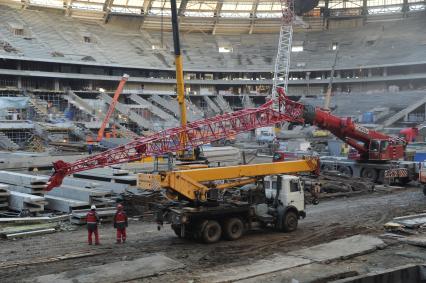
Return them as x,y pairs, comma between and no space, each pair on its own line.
92,217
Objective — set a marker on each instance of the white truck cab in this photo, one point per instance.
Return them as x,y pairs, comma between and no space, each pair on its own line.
290,188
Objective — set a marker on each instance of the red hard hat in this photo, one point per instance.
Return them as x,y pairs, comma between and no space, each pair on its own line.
119,206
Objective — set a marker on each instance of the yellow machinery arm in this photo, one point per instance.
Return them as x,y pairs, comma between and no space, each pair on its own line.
191,184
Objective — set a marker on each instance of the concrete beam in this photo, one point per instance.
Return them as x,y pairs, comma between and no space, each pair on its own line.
27,190
98,185
77,193
20,179
21,201
64,204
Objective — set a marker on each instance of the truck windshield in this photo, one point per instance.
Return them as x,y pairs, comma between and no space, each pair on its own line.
384,146
374,146
294,186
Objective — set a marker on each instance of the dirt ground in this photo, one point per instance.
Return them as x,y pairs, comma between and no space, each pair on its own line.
330,220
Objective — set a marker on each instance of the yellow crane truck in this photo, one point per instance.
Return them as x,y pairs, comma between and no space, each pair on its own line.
213,203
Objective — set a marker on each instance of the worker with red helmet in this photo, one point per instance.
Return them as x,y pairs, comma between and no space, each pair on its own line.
120,223
92,219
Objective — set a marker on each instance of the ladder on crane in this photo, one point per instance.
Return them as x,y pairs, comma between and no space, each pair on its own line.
282,61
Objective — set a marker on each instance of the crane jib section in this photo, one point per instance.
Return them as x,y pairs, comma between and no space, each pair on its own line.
197,133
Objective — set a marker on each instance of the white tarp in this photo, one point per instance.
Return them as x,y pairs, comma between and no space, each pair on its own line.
13,102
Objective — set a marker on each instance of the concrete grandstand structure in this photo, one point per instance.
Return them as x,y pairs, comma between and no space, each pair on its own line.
65,52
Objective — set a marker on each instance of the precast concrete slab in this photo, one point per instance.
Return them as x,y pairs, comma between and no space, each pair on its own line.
313,272
258,268
21,179
415,240
120,271
19,201
76,193
342,248
411,221
98,185
64,204
27,190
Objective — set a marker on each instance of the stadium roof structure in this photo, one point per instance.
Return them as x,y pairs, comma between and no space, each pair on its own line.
214,8
217,16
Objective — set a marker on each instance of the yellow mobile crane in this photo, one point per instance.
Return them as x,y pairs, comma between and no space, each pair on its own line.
209,203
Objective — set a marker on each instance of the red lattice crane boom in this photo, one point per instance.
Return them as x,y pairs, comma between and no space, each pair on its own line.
199,133
112,107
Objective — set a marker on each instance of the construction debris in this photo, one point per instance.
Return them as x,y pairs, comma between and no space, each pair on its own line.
142,202
334,184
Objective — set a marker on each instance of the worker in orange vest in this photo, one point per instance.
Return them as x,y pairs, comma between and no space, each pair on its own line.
92,219
89,142
120,223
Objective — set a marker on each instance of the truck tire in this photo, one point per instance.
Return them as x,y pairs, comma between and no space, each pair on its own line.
404,181
177,230
369,173
233,228
424,189
290,221
211,232
345,170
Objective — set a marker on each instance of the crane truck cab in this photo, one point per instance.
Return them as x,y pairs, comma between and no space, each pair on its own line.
286,190
277,203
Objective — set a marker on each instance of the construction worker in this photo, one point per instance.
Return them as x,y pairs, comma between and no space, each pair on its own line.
89,142
120,223
92,220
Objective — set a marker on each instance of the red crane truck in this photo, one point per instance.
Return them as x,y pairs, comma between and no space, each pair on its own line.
377,157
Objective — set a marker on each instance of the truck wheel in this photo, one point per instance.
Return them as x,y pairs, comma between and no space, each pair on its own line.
177,230
290,221
327,168
404,181
381,177
233,228
424,190
211,232
345,170
369,173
